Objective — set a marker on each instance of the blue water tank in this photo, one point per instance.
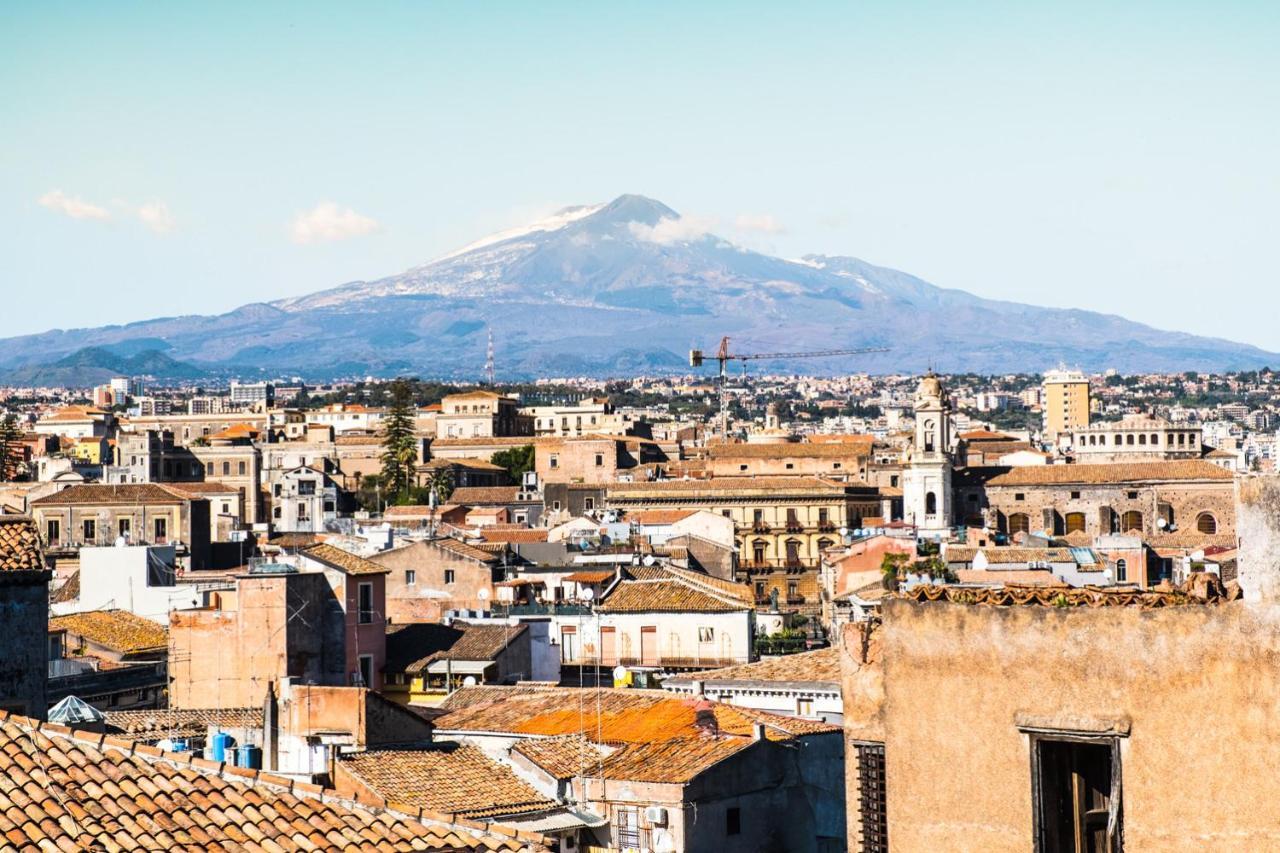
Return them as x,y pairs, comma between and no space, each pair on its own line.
180,745
250,756
221,743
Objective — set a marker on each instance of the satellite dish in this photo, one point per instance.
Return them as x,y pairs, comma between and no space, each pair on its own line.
858,532
844,531
1161,523
588,593
619,673
648,560
469,681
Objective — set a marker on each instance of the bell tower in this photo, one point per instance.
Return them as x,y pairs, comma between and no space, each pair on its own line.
926,484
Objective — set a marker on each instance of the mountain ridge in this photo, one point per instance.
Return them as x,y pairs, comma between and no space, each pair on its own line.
612,288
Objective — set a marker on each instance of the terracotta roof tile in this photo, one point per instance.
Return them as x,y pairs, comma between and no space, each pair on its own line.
118,630
184,722
102,494
824,450
821,665
731,485
1101,474
20,545
562,757
1207,590
81,791
335,557
480,495
513,535
452,779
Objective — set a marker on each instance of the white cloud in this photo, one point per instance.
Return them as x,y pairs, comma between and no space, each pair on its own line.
156,216
762,223
327,222
73,206
668,231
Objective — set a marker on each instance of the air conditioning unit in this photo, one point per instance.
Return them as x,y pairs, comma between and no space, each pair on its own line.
655,815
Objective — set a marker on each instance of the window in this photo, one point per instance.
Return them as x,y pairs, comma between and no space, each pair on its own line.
365,674
742,467
1075,522
1019,522
835,464
242,469
930,504
162,530
790,465
124,526
758,551
1075,496
306,488
708,635
626,822
871,797
1019,496
226,469
52,531
90,528
793,591
823,516
568,643
410,577
555,505
449,576
599,460
1206,523
588,503
1122,571
364,598
1131,520
804,707
1074,808
554,461
732,820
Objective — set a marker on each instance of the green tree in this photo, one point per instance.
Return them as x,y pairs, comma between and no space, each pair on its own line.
517,460
10,436
399,443
439,481
891,566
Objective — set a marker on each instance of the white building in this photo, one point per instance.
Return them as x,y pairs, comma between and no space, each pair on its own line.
926,478
805,685
139,578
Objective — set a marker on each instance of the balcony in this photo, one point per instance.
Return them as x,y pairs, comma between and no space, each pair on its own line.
795,527
541,608
793,565
668,662
761,527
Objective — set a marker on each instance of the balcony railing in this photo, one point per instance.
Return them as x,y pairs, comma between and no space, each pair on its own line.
662,661
539,608
797,564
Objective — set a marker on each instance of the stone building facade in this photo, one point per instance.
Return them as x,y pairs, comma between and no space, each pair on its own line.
24,613
1153,498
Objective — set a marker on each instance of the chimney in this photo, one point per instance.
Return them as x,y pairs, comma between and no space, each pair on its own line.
757,731
697,687
270,728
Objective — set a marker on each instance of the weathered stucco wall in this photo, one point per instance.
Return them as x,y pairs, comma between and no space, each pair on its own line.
1200,686
862,687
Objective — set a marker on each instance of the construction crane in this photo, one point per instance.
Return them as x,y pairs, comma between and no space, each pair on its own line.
696,357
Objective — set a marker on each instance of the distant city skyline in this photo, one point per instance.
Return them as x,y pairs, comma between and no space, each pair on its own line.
162,160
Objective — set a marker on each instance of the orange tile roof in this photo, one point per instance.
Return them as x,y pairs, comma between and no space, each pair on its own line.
731,486
102,494
118,630
667,596
562,757
624,715
1048,596
595,576
1101,474
479,495
824,450
345,561
70,790
20,545
513,535
821,665
452,779
658,516
173,722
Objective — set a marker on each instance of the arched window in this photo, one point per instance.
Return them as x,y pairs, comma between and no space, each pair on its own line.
1206,523
1132,520
1122,571
930,504
1142,439
1155,438
1075,522
1019,522
1129,438
928,436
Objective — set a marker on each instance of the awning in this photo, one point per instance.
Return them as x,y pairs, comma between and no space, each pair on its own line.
556,821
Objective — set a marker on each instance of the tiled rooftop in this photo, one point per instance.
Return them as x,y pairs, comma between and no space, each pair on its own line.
20,545
1104,474
1201,592
65,790
180,722
102,494
118,630
821,665
456,780
480,495
562,757
352,564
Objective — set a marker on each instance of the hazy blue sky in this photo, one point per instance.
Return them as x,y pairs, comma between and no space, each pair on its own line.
166,158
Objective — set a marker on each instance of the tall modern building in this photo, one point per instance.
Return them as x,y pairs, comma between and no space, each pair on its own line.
1065,402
